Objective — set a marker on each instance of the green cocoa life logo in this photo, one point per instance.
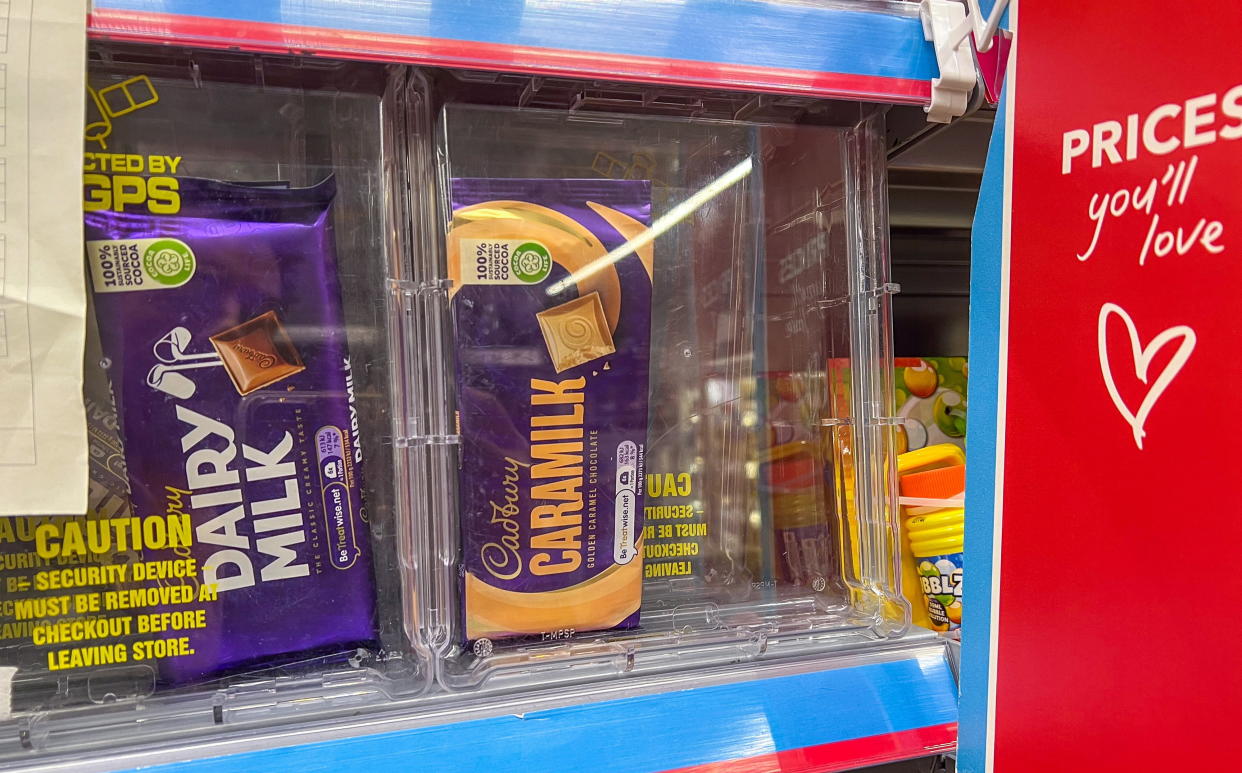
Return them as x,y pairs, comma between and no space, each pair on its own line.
531,262
169,262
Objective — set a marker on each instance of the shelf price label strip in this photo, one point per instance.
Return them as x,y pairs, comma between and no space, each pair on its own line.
802,49
821,721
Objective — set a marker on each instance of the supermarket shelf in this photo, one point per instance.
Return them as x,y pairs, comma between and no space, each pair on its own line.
899,706
897,702
845,49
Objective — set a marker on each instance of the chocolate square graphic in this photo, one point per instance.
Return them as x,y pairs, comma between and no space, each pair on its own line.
257,353
576,332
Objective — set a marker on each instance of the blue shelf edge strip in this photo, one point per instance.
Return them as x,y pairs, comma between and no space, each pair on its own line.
782,46
648,733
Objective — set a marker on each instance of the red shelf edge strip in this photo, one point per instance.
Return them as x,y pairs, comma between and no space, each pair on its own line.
842,755
278,38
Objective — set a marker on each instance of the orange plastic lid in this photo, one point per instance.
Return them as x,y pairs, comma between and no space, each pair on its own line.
941,483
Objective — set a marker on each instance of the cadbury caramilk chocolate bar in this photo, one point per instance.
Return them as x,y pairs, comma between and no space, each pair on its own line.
552,343
224,328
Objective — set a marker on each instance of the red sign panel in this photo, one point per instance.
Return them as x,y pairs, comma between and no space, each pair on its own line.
1120,585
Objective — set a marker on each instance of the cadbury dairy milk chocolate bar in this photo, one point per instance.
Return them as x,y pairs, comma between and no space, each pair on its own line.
552,340
223,326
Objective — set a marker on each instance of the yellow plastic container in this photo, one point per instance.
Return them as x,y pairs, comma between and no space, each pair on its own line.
936,544
932,536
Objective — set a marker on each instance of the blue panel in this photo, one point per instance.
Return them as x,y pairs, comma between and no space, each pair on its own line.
981,425
648,733
742,32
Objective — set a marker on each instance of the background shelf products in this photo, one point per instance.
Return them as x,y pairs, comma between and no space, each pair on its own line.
931,401
765,477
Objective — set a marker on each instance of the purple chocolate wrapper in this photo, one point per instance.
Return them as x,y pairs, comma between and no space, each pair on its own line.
254,433
553,434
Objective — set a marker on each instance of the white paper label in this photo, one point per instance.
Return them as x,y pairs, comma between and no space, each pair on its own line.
43,445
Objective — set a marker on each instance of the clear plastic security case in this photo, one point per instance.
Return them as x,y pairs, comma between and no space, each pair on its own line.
768,512
765,233
269,130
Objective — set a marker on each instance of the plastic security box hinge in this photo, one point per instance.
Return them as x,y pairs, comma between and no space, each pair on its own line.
947,26
435,287
435,440
403,292
869,296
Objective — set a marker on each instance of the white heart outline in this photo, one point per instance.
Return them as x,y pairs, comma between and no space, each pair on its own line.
1142,359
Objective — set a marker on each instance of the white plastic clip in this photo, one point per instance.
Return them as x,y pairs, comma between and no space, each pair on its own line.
985,29
946,25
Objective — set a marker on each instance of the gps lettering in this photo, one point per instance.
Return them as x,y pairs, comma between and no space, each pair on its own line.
116,181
